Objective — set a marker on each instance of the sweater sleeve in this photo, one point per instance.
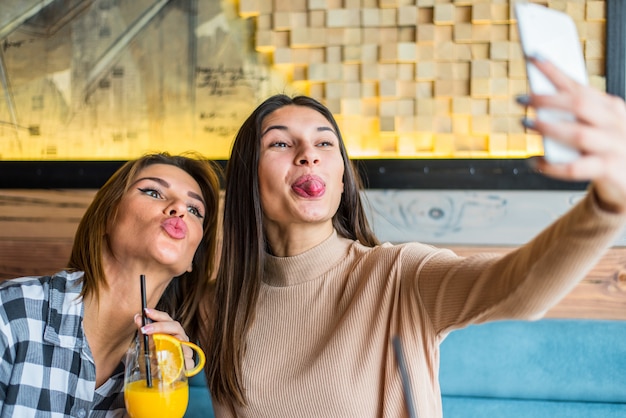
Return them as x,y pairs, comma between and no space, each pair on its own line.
523,284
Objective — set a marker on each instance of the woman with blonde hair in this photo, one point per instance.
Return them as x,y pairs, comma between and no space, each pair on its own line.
64,335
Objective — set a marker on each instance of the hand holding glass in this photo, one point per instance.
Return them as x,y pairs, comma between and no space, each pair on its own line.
169,393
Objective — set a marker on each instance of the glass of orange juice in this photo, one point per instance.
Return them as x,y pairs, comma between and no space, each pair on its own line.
155,381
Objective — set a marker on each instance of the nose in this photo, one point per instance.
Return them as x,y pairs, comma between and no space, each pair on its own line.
307,156
176,208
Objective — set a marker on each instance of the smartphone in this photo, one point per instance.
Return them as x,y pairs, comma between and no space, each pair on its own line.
551,34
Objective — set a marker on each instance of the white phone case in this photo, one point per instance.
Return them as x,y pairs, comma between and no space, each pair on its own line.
551,34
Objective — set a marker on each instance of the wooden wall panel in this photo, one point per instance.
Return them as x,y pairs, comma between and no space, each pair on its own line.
37,228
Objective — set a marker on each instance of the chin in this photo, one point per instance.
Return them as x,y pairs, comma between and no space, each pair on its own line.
318,215
176,271
173,264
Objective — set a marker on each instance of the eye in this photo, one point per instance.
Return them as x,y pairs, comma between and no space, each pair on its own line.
151,192
325,144
278,144
194,210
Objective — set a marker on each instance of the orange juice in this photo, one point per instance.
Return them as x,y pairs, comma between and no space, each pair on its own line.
144,402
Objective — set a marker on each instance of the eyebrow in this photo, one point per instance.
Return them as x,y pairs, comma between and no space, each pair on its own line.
284,128
164,183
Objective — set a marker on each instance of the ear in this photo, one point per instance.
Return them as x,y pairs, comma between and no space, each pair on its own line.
190,269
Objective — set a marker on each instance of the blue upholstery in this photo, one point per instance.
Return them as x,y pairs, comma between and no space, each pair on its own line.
200,405
519,369
546,368
455,406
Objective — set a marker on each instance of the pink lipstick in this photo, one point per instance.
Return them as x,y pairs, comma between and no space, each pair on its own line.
175,227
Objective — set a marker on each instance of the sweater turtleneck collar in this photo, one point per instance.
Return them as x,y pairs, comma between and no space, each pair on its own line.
301,268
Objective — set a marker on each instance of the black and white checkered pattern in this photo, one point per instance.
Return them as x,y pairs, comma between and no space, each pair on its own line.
46,368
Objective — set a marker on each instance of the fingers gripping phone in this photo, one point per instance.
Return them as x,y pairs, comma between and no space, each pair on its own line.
551,34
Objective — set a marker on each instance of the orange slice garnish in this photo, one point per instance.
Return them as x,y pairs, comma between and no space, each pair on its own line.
170,358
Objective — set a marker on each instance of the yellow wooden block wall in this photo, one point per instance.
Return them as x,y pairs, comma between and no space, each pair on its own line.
416,78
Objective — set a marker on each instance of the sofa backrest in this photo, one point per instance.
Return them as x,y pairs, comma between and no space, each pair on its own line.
549,359
546,368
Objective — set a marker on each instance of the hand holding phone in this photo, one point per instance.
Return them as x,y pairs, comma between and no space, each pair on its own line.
552,35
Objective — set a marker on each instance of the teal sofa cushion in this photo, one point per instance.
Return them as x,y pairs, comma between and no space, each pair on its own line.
474,407
519,369
550,367
200,405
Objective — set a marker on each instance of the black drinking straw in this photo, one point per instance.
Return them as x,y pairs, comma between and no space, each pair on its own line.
404,375
146,341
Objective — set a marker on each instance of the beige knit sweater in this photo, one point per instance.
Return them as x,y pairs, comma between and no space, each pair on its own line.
320,344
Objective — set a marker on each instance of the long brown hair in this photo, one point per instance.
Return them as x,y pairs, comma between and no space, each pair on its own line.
240,271
184,294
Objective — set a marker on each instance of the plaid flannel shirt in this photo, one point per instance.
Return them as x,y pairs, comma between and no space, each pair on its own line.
46,368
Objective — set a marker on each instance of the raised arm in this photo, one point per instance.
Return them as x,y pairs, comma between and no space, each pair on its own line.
531,279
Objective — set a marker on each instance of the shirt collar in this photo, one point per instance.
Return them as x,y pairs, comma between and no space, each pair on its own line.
311,264
63,326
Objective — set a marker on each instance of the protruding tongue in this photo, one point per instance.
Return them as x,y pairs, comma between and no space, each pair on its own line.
309,186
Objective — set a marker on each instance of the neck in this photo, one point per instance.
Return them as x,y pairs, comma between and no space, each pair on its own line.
290,240
108,322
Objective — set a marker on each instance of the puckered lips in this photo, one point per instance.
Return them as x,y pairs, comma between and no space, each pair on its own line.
309,186
175,227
